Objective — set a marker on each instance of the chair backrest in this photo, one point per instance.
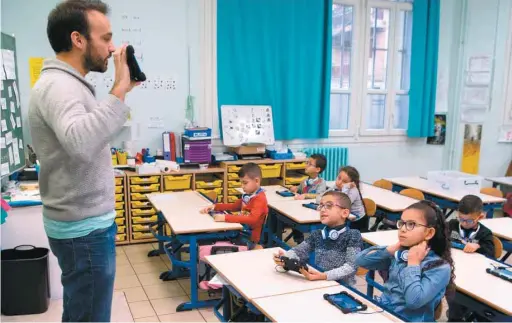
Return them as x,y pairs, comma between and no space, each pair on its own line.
492,191
438,311
414,193
382,183
498,247
371,207
212,195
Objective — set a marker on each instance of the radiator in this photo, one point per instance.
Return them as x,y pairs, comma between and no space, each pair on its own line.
336,158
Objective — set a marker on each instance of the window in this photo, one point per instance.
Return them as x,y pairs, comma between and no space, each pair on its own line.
370,76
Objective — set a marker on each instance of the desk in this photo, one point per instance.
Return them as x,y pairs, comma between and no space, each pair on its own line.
476,288
270,192
181,211
280,296
309,306
496,181
446,199
501,228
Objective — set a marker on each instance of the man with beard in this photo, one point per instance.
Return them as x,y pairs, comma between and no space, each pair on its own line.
71,132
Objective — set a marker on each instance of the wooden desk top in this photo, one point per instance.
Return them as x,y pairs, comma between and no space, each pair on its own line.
471,278
500,227
501,180
294,210
433,189
270,192
253,274
182,212
310,306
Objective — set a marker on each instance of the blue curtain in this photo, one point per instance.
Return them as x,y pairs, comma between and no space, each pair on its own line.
425,44
277,53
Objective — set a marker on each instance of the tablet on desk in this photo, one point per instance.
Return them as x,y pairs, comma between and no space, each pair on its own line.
285,193
345,302
312,206
504,273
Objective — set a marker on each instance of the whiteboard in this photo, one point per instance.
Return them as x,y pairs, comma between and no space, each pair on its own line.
247,124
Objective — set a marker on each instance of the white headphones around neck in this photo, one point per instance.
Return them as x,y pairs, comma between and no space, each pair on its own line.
246,198
402,255
333,234
472,235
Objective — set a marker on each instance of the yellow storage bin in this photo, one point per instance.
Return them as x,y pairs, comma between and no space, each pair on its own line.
120,221
120,237
119,189
142,235
181,182
209,184
118,181
140,227
234,184
232,199
145,188
144,219
216,190
150,211
271,171
119,197
121,228
140,204
234,191
295,180
119,205
119,213
138,197
233,176
292,166
220,199
234,169
145,180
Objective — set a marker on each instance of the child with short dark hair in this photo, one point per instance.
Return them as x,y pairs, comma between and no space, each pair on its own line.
312,187
253,204
335,246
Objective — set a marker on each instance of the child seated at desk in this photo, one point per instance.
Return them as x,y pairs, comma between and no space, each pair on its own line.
335,246
253,204
467,230
420,264
348,182
476,238
312,187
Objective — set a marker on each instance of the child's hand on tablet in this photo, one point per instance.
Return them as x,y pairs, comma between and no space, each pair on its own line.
207,209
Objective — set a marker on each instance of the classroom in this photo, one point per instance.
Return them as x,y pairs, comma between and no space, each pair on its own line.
256,160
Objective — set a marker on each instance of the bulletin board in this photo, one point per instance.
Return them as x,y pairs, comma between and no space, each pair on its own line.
12,151
247,124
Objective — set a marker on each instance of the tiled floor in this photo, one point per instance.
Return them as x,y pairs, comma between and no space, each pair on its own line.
140,296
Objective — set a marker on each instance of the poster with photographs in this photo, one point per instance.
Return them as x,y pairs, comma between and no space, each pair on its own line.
247,124
439,136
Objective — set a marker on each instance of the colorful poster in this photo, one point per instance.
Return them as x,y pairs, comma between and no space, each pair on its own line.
471,148
439,136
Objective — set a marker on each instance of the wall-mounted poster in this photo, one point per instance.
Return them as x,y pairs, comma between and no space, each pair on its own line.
439,136
471,148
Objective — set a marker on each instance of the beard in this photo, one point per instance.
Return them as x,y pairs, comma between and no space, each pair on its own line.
94,63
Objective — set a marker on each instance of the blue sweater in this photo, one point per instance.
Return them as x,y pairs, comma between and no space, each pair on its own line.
410,291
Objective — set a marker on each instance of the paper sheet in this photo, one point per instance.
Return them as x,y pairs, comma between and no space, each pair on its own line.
505,134
20,143
8,138
9,64
9,91
473,114
16,151
16,93
475,96
2,143
5,169
4,104
4,125
18,122
478,78
11,156
482,63
35,65
13,122
13,107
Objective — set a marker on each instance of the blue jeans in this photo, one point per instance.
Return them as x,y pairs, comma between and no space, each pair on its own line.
88,267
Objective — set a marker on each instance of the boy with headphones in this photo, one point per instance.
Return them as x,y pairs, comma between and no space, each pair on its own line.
335,246
253,205
466,229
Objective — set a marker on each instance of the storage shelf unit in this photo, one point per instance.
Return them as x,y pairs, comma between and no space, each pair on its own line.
123,227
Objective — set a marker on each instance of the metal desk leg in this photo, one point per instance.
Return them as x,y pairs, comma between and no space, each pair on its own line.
369,289
161,228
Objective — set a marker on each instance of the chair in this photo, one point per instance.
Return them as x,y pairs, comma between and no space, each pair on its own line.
413,193
498,247
382,183
370,206
212,196
438,311
491,191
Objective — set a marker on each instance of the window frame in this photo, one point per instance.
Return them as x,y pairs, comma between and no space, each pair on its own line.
361,49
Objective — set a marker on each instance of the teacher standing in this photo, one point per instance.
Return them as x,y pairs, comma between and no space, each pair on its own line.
71,131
